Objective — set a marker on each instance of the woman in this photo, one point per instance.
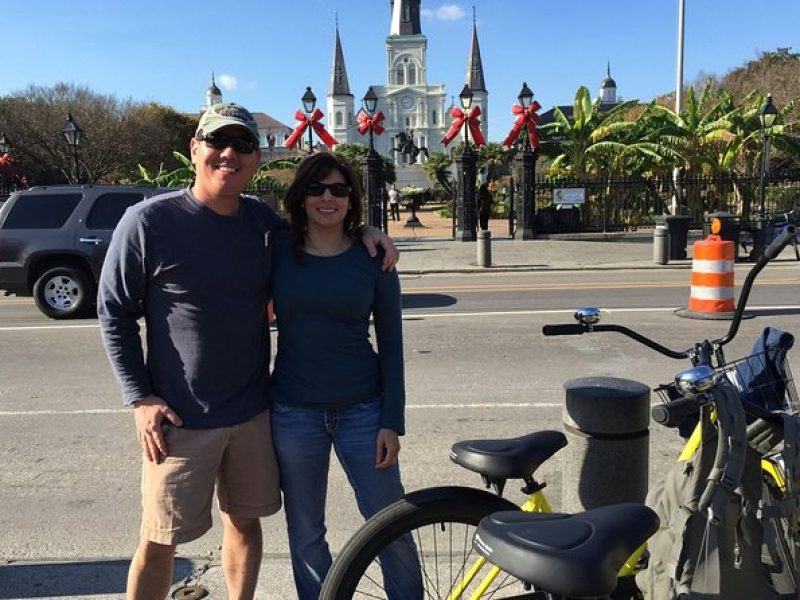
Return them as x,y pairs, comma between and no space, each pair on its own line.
329,387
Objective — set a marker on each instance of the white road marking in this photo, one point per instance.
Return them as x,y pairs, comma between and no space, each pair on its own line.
411,316
448,406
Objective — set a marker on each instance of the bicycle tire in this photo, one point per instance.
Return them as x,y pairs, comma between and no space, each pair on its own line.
415,512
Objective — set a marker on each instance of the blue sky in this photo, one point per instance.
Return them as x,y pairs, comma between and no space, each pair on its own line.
266,51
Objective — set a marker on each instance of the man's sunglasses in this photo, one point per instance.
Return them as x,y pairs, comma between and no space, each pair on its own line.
340,190
242,145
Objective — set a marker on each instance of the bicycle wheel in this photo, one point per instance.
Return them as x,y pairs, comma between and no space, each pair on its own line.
424,542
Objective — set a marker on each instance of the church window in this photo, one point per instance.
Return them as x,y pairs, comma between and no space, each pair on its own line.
433,118
412,74
339,118
338,75
407,12
408,121
349,119
400,75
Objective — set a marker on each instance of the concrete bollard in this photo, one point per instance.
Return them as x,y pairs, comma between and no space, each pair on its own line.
606,422
660,245
484,248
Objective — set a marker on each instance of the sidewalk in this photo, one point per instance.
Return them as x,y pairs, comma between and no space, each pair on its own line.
430,248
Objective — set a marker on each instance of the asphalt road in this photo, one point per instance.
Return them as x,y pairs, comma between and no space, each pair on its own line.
476,365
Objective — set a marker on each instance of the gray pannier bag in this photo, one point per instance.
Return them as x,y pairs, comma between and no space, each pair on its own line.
745,555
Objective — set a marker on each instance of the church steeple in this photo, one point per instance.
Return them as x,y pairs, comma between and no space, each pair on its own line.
341,103
475,78
405,17
340,86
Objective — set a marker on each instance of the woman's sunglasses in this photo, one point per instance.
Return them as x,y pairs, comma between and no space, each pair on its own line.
240,144
340,190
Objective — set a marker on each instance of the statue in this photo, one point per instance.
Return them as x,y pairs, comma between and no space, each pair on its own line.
407,147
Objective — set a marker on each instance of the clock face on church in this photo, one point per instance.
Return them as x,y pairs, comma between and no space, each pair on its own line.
407,102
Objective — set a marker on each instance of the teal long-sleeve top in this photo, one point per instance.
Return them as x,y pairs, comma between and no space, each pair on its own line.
325,357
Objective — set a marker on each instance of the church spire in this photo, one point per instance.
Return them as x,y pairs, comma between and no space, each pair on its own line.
405,17
340,86
475,78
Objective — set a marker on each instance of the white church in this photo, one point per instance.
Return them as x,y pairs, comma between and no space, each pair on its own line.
412,106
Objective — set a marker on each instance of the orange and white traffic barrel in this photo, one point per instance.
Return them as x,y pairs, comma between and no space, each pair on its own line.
711,295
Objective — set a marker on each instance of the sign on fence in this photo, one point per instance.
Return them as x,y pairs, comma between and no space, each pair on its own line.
569,196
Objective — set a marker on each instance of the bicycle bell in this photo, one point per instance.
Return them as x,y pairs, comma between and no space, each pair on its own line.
589,315
695,380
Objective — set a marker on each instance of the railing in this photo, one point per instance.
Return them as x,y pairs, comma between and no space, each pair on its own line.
619,204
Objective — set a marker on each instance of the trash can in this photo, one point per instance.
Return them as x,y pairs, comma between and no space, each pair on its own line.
729,231
660,245
678,233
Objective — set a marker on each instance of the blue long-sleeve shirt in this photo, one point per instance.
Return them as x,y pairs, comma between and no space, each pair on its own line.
323,306
200,280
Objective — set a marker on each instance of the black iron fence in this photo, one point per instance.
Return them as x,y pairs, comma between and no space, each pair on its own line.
619,204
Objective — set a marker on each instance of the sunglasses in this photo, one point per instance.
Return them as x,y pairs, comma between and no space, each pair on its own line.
242,145
340,190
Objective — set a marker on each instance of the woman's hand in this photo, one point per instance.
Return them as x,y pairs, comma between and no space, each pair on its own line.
387,447
372,237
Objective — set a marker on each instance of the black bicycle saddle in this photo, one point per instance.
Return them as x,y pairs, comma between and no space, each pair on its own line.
577,556
512,458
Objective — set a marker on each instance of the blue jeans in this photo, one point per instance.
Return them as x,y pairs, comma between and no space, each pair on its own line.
303,440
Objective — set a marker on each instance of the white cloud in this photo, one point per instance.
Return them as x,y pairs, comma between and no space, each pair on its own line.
450,12
227,82
446,12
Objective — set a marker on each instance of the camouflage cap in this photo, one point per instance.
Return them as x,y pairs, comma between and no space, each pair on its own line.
226,114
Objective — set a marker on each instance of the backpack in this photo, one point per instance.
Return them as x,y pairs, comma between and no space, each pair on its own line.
741,559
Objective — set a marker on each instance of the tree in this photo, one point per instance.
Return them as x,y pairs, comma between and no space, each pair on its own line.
437,169
356,154
118,134
495,158
580,146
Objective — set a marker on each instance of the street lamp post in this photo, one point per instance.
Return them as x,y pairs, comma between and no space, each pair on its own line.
309,103
73,134
766,117
374,170
5,144
526,166
467,172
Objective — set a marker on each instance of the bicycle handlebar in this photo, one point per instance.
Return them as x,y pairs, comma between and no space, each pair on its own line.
775,248
566,329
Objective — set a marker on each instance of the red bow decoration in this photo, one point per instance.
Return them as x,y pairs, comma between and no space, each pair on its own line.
305,121
473,122
527,118
365,123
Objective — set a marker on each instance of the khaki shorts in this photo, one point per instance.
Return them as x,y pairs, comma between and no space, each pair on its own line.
177,494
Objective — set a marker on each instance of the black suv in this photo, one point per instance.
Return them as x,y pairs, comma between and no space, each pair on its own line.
53,240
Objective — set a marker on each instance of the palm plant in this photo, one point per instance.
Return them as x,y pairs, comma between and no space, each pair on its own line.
581,146
181,177
437,169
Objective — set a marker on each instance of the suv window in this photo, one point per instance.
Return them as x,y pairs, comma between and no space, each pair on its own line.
41,211
109,208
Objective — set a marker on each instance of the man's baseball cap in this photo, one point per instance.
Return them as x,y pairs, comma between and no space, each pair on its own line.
226,114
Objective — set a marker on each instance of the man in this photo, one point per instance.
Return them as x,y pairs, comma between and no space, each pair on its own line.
196,265
394,203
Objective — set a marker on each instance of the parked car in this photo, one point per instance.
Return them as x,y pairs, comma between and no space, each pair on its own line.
53,240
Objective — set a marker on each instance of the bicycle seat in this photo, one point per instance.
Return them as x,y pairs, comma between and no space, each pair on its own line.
512,458
577,556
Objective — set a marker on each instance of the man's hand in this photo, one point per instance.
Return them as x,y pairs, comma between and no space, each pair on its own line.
387,447
373,237
149,412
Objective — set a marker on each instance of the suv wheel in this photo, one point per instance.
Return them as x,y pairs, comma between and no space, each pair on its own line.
63,293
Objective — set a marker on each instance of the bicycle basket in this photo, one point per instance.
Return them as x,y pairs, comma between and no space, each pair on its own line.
764,379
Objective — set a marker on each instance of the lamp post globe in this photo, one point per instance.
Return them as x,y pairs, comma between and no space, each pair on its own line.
74,135
374,184
309,101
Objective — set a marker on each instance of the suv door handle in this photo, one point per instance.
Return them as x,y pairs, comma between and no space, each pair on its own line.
91,240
